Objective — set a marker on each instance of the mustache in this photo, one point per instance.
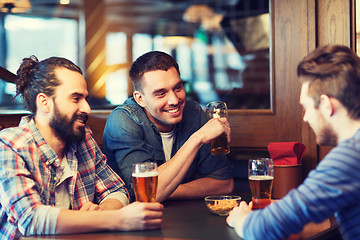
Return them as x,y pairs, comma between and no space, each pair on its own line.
82,117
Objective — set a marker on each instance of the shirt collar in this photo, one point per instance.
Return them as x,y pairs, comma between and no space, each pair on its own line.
48,155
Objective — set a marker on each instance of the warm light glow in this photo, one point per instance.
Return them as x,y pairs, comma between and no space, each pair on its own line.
64,2
174,41
15,6
196,13
205,15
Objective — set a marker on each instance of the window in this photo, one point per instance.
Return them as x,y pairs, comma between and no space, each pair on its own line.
42,37
222,47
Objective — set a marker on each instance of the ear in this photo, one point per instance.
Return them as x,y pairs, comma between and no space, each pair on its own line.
44,103
139,98
327,106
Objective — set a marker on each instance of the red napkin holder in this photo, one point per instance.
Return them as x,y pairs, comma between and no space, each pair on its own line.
287,158
286,153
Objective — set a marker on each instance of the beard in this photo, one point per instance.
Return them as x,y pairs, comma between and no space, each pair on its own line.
64,127
326,135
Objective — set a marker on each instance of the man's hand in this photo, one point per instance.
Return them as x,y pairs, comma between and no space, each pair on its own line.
109,204
237,217
89,206
140,216
214,128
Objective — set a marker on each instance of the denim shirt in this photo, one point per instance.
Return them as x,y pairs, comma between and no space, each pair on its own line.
130,137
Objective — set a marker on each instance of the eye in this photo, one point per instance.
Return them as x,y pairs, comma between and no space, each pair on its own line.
179,88
159,94
76,97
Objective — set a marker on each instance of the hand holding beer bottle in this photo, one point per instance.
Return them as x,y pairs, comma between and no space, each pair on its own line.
261,178
145,180
218,109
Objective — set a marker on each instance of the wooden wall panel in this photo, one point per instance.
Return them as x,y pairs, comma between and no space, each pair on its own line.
95,52
9,120
310,158
253,129
335,26
294,32
333,22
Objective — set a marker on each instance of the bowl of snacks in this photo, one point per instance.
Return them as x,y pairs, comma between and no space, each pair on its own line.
222,205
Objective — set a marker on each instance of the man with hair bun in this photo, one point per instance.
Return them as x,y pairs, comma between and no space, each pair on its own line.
54,179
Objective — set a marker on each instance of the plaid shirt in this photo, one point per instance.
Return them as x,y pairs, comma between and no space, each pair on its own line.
28,175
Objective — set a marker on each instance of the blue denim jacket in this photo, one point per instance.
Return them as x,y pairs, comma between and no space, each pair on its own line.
130,137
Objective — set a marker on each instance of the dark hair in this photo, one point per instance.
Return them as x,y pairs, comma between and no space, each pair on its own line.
34,77
335,72
148,62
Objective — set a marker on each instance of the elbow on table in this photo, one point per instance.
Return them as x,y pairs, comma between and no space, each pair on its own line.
228,186
231,186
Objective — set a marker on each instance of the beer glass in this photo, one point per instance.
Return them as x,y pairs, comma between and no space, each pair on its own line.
220,144
261,178
144,181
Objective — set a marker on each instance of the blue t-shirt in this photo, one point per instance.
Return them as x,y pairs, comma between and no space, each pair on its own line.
333,188
130,137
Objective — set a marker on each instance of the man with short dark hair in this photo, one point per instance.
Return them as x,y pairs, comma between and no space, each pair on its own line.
330,96
54,178
159,124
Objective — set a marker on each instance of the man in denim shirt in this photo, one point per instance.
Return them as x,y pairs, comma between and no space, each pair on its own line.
159,124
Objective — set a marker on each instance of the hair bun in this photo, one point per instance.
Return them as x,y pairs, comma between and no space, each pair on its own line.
25,73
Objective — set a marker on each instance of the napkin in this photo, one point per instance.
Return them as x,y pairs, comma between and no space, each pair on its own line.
286,153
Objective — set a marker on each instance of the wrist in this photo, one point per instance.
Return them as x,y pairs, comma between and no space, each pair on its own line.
197,139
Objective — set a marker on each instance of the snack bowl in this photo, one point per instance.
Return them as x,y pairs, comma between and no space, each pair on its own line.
223,204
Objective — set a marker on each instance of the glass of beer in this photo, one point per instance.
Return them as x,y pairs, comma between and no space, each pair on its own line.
144,181
261,178
218,109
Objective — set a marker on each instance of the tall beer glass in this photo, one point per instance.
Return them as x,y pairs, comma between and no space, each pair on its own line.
145,180
261,178
220,144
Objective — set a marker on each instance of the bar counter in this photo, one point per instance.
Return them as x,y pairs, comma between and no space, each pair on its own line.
182,220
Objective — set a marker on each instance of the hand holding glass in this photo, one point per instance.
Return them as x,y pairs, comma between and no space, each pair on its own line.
218,109
145,180
261,178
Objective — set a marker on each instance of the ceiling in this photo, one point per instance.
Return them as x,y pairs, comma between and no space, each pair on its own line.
149,16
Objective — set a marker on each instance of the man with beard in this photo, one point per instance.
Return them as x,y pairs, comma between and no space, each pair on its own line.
158,124
53,177
330,97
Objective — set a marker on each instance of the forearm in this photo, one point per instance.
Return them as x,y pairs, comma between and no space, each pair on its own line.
135,216
203,187
110,204
173,171
115,200
71,221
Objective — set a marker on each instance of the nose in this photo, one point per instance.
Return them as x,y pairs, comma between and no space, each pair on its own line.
173,98
304,118
85,107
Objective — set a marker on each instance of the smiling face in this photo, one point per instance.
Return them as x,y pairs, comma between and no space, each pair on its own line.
163,98
70,108
325,134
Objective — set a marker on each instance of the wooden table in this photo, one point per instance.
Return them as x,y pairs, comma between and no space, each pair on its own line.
182,220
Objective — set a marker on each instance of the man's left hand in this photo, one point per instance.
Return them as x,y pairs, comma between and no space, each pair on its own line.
237,217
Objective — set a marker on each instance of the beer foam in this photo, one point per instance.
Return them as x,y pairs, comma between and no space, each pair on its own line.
261,178
145,174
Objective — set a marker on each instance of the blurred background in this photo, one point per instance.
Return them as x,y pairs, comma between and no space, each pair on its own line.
222,46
